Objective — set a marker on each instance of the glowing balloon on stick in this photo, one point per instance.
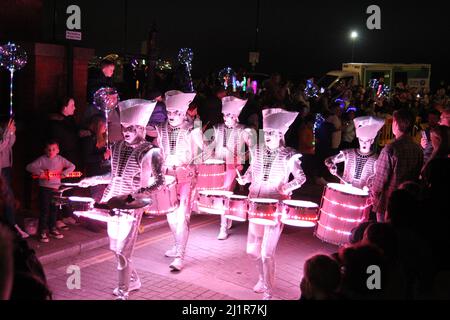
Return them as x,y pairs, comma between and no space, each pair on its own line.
185,57
13,58
226,76
106,100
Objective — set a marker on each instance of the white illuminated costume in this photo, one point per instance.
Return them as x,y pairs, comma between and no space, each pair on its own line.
179,142
229,145
270,168
136,169
359,168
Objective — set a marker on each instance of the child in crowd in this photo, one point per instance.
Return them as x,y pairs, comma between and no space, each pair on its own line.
50,168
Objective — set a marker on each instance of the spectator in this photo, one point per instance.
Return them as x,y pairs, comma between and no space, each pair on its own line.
96,155
355,262
435,172
64,130
398,162
50,168
335,119
159,115
6,262
210,112
321,279
97,79
348,131
425,142
8,138
324,135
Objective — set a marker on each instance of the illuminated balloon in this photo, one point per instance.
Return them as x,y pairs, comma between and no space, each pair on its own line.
106,99
226,76
12,57
185,56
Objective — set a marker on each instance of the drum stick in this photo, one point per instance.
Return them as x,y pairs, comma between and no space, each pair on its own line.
340,178
238,174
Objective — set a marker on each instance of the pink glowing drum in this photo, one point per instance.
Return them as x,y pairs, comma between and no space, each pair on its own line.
119,226
165,200
213,202
237,208
343,208
263,211
211,175
299,213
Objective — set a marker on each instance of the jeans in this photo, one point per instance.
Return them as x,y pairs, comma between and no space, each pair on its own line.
47,218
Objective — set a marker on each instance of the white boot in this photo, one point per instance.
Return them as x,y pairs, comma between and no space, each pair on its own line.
177,264
171,253
134,286
22,233
223,234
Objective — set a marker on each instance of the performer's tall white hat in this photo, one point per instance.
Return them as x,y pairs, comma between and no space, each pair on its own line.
177,100
278,119
136,112
232,105
368,127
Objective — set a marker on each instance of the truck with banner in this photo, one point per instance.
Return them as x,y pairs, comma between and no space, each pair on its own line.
391,74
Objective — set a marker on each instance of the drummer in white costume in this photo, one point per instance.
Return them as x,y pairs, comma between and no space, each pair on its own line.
229,145
359,163
269,171
136,169
179,141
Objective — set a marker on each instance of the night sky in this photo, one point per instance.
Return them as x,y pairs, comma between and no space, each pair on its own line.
296,37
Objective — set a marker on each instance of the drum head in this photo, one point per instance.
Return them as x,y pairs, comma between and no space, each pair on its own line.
214,161
263,201
237,197
301,204
348,189
216,193
298,223
81,199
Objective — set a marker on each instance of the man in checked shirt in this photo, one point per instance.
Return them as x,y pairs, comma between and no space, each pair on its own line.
398,162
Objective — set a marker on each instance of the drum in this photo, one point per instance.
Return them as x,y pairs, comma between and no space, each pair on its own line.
343,208
236,208
165,200
263,211
213,202
81,203
119,226
94,214
211,175
299,213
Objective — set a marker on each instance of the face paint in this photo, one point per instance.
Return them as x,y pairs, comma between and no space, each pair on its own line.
132,134
230,120
364,145
272,139
176,118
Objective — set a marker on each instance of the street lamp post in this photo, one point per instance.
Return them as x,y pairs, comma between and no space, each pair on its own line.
353,36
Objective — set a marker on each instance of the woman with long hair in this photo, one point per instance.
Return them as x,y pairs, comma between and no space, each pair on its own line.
96,155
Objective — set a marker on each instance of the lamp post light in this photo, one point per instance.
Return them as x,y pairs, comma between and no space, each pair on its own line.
353,36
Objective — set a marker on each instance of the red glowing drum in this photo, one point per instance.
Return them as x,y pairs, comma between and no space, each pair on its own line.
213,202
237,208
165,200
263,211
343,208
299,213
211,175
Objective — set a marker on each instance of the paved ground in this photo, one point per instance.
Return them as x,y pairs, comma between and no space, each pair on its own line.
215,270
